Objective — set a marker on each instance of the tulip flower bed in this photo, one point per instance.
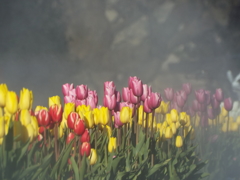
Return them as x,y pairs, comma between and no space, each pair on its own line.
135,134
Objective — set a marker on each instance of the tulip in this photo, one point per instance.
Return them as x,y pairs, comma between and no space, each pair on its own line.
211,113
89,119
219,94
137,86
80,102
110,101
2,127
145,92
112,144
54,100
85,137
180,100
68,108
35,126
82,92
168,133
43,118
55,112
117,122
27,133
200,96
168,118
145,107
234,126
72,117
125,115
179,141
183,118
118,96
17,130
174,115
134,99
187,88
228,104
25,117
109,88
38,108
24,101
91,102
85,149
3,94
104,115
169,93
96,116
93,157
66,88
69,99
154,100
207,97
202,107
94,95
11,102
70,137
107,129
41,129
214,102
79,127
132,106
126,94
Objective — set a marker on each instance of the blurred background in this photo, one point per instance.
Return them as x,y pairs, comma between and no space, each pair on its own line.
44,44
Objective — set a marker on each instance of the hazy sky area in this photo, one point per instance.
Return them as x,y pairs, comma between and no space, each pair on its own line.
44,44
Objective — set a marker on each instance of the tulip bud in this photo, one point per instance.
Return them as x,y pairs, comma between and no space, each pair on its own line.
118,96
91,102
3,94
173,127
179,141
25,117
43,118
82,92
69,99
93,157
72,117
137,87
85,149
145,106
66,88
85,137
169,93
38,108
95,98
55,112
70,137
117,122
11,102
79,127
112,144
228,104
54,100
183,118
24,101
219,94
96,116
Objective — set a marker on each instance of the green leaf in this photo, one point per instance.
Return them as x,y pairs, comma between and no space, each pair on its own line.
156,167
83,168
23,151
75,168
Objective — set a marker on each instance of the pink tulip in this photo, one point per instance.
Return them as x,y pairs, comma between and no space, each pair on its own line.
145,92
180,100
214,102
146,109
175,106
219,94
68,99
137,87
126,94
201,107
109,101
195,105
94,95
228,104
109,88
207,97
169,93
126,104
211,113
91,102
190,111
82,92
183,94
130,79
117,122
154,100
66,88
134,99
187,88
200,96
80,102
118,96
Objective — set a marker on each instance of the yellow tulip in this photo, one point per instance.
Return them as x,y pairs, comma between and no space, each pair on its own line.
224,112
168,133
25,117
174,115
197,121
183,118
11,102
54,100
7,123
179,141
173,127
141,115
164,107
108,130
125,114
112,144
104,115
17,130
68,108
168,118
233,126
31,100
238,120
63,124
60,132
93,157
177,124
27,133
159,126
35,126
38,108
165,124
3,94
1,112
2,127
89,119
188,121
96,116
25,99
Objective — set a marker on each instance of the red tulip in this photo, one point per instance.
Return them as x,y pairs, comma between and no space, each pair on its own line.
70,137
41,129
72,117
43,118
169,93
110,101
82,92
219,94
55,112
228,104
79,127
85,137
154,100
85,149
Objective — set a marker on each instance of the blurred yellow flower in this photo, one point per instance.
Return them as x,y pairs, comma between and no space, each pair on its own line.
89,119
112,144
93,157
233,126
3,94
25,117
179,141
2,127
11,102
174,115
104,115
54,100
25,99
168,133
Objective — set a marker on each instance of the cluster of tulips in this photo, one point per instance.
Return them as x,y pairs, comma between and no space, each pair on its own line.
81,122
